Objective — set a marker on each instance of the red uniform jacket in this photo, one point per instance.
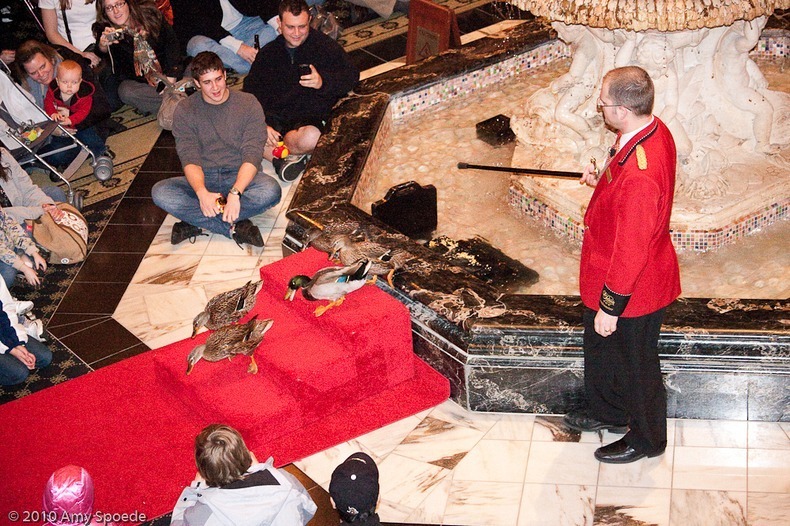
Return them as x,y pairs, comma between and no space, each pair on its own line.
79,106
628,264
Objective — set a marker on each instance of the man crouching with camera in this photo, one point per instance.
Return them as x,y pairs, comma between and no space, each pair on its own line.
297,78
220,136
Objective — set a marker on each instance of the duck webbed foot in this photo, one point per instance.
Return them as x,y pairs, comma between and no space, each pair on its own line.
321,310
253,368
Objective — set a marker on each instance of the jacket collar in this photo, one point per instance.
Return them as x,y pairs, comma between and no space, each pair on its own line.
639,138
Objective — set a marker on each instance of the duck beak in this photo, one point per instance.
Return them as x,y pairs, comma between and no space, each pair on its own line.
289,294
190,366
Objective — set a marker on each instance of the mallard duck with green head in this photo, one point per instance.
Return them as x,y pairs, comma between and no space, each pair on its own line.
227,307
230,340
330,283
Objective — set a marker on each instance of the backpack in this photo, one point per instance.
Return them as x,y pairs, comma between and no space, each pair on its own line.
65,240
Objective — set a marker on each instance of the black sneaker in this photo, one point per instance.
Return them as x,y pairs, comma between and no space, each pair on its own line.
244,232
182,231
292,167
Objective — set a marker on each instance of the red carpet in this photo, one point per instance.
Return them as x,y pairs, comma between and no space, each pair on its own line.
322,381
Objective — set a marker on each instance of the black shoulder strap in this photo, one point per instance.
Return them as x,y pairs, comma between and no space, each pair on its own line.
66,24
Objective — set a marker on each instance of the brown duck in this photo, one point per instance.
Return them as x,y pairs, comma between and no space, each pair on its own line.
231,340
383,261
227,307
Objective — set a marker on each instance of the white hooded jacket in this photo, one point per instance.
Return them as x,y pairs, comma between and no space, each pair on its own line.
285,504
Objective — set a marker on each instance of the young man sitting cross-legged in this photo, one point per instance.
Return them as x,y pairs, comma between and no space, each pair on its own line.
220,136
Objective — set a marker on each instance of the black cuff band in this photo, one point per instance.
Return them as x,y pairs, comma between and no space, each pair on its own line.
612,303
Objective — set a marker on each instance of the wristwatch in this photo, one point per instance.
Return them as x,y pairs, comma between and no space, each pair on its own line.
235,191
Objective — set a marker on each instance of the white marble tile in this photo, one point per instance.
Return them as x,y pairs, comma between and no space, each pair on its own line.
489,503
768,435
769,470
643,506
439,442
556,505
224,246
512,427
562,463
431,509
407,481
768,509
653,472
710,468
132,313
457,415
495,461
711,433
166,269
785,427
707,508
384,440
172,306
223,268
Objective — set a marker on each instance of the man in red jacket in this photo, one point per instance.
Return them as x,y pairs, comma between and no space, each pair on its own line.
629,273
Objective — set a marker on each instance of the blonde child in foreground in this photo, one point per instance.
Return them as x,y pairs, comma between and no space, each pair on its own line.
232,487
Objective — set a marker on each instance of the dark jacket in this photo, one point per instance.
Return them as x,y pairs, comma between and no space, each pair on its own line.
191,18
274,78
166,47
7,333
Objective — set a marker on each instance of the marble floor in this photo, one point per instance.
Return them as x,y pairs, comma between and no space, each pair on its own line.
444,466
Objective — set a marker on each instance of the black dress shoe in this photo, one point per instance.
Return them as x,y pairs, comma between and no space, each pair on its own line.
244,232
621,453
580,421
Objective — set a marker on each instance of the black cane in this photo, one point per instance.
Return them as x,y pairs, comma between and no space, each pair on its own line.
525,171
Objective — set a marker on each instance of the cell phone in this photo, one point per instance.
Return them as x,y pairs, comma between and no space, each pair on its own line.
304,69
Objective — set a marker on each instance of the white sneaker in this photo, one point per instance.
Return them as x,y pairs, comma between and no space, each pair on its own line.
22,307
34,328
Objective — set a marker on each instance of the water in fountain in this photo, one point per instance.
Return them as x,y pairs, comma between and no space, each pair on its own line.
425,148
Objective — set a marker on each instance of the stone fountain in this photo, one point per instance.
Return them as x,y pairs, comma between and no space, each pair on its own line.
722,357
732,132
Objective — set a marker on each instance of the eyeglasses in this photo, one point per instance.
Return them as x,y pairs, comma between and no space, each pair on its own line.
114,8
600,104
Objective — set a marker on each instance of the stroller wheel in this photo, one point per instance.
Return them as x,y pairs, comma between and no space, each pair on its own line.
103,168
75,199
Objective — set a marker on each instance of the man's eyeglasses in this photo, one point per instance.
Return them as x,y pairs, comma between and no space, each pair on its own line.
114,8
600,104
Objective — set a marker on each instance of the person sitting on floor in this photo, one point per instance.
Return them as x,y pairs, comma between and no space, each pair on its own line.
19,353
232,487
220,136
18,253
297,78
68,498
143,50
354,490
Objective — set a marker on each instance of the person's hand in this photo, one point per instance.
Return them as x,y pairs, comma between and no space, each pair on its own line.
272,137
313,80
605,324
54,211
65,121
93,58
21,353
7,56
56,117
232,209
208,203
590,175
30,276
38,261
247,53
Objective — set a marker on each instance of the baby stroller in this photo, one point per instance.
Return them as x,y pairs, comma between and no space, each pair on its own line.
25,128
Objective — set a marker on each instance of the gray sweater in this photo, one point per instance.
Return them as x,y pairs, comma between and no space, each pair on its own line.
220,135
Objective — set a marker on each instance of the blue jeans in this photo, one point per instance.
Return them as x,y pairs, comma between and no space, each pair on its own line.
13,371
244,31
89,137
176,197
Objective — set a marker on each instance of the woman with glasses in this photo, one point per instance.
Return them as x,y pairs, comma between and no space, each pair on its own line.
68,24
142,51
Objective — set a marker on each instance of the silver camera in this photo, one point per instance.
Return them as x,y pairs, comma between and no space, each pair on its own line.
114,36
